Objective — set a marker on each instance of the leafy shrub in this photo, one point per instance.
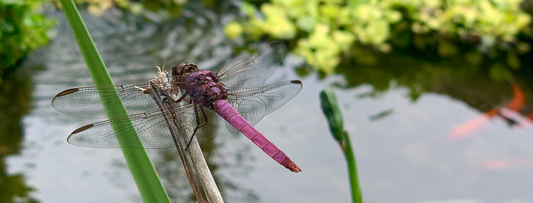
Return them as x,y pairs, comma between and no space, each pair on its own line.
22,29
325,30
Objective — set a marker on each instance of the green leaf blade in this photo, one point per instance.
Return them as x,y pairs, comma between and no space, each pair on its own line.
144,174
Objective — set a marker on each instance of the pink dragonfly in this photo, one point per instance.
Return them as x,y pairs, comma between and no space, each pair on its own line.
235,92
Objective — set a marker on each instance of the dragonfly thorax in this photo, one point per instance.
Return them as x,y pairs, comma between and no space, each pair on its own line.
205,88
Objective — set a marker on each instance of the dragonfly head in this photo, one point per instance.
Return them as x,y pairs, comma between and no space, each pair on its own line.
184,69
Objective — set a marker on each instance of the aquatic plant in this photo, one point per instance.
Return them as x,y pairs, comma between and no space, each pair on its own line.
327,30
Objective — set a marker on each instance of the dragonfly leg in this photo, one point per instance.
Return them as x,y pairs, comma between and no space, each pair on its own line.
198,125
181,98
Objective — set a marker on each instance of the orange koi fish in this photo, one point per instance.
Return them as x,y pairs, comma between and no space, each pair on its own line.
469,127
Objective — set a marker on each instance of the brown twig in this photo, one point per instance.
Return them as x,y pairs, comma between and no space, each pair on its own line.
195,152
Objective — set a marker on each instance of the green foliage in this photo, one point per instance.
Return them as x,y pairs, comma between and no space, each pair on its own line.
154,10
233,30
15,102
325,30
330,107
22,29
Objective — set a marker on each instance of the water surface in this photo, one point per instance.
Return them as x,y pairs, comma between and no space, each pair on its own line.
401,141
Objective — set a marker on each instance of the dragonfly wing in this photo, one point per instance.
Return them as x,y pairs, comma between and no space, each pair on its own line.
189,119
254,70
254,103
150,127
86,102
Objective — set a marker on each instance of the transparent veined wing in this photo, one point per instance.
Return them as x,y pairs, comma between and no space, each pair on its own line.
254,103
150,126
86,102
254,70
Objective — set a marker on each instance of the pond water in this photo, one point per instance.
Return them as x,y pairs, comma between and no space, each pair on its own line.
402,143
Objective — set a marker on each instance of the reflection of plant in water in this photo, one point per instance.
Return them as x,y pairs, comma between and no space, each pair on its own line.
170,169
174,178
460,81
15,102
221,161
328,29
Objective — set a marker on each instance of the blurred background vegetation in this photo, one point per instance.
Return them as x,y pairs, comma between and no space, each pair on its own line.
22,29
326,33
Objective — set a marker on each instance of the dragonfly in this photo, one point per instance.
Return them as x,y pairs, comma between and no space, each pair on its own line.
235,92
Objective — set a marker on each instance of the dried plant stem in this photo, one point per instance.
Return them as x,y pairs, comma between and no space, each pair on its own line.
204,174
168,114
195,152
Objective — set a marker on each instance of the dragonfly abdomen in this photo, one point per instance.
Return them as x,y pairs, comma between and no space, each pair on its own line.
226,111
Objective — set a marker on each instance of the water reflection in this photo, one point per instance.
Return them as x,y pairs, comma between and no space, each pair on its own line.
15,102
514,114
398,123
502,164
443,76
174,178
173,175
382,114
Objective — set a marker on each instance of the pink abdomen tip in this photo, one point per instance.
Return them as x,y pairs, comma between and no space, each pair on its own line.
293,167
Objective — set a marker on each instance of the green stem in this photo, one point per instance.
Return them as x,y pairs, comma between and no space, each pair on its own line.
352,169
330,107
141,167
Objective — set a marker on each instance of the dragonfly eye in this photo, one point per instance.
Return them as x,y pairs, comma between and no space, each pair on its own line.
184,68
